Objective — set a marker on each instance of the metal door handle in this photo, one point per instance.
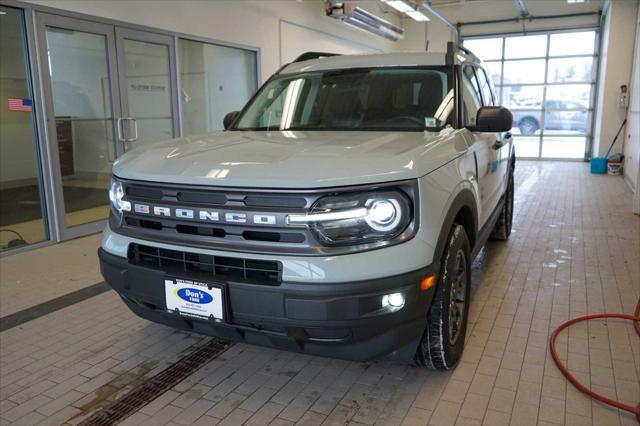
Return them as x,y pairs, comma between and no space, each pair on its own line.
119,127
135,130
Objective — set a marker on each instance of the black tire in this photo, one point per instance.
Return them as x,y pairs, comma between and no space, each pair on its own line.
443,339
528,126
502,229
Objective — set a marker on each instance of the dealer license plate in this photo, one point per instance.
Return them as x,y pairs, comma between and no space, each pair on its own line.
193,298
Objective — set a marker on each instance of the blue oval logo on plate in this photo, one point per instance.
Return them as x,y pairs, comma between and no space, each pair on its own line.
193,295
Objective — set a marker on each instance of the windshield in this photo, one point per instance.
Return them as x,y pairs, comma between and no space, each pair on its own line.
410,99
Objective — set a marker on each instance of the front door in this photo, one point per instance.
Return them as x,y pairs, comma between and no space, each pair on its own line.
83,106
107,90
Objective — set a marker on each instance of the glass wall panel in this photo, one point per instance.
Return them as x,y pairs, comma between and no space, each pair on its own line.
527,146
567,121
21,196
82,106
570,70
214,81
533,46
580,43
495,71
527,71
522,97
570,93
547,82
563,147
148,90
485,48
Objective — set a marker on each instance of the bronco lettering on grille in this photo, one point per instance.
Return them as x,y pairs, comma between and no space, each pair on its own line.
206,215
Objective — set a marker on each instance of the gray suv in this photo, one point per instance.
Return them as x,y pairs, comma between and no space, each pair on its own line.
337,215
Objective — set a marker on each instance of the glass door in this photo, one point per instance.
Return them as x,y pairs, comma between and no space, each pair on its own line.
82,104
146,64
107,89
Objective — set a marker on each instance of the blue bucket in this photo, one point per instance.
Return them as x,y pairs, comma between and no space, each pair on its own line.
599,165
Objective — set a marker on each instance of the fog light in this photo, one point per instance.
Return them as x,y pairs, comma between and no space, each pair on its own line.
393,301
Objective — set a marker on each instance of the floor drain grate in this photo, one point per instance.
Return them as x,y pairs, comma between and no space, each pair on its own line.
156,386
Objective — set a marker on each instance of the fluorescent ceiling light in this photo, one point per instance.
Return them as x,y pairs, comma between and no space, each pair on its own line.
408,9
416,15
575,1
400,6
367,21
362,19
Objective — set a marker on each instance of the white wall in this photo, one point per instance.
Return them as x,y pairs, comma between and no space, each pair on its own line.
252,22
616,59
432,36
632,140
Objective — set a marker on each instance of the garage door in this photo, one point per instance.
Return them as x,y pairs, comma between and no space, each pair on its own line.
547,80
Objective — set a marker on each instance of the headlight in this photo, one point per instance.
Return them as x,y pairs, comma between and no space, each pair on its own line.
357,218
116,195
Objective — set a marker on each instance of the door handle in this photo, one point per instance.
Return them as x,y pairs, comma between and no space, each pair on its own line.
120,132
135,130
119,128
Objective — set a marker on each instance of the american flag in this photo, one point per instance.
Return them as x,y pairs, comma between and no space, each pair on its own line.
17,104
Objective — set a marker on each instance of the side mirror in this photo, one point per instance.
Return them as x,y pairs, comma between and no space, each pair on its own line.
493,119
230,118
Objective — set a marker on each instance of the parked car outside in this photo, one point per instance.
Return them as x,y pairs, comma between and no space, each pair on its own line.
560,114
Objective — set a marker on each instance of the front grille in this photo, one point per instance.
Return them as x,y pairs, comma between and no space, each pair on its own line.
204,266
234,219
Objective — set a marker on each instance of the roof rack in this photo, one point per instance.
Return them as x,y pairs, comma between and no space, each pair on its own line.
306,56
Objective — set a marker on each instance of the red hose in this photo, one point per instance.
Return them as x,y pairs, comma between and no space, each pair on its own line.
552,346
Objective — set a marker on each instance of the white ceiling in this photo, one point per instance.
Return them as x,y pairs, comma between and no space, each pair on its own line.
483,10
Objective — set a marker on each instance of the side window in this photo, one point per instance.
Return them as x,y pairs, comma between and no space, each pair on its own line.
470,95
485,86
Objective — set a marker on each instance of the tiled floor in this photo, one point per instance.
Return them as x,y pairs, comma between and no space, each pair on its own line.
36,276
575,249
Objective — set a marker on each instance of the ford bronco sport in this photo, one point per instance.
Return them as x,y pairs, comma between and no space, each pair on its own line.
337,215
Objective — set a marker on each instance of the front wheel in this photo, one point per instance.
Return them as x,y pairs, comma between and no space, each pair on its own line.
443,339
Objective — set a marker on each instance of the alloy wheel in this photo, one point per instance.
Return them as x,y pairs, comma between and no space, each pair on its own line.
457,297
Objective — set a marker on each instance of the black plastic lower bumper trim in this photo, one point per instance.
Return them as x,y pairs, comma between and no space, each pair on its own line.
342,320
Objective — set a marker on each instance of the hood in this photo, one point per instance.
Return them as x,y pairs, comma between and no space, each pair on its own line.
287,159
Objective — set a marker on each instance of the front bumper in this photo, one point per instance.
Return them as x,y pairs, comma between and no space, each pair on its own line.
341,320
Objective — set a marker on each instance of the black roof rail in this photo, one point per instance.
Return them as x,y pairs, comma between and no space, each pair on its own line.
465,50
452,49
306,56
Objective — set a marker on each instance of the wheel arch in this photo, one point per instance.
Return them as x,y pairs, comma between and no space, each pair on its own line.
464,211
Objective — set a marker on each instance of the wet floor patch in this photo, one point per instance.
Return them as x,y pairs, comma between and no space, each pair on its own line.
144,392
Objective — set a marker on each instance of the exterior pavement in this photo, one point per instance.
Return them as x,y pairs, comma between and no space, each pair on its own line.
575,250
